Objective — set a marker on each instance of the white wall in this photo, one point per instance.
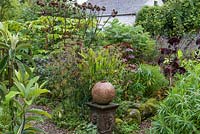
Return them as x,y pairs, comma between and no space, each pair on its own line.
151,2
129,20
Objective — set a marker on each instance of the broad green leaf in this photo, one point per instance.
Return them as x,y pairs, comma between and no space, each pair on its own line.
22,71
31,130
34,118
31,83
180,54
20,87
30,102
40,112
37,92
3,63
43,84
10,95
18,76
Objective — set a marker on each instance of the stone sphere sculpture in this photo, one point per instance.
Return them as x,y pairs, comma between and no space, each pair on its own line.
103,92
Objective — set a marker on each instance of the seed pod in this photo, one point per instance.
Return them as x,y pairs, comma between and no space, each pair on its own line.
90,6
98,8
114,13
76,4
84,5
103,8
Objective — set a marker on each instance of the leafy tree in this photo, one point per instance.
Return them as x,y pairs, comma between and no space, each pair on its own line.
175,18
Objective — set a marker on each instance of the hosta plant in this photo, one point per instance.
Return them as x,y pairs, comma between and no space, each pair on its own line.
16,112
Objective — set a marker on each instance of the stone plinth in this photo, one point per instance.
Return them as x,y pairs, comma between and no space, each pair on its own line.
103,116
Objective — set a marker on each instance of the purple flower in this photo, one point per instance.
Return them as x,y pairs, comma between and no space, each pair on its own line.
131,56
124,60
129,50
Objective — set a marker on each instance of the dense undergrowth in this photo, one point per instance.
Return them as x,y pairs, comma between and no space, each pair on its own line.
63,45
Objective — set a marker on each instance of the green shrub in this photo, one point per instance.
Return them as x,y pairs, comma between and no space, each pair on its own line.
175,18
141,43
145,80
179,113
59,69
151,20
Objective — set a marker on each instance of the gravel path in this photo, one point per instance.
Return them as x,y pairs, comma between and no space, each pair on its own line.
51,128
48,126
144,126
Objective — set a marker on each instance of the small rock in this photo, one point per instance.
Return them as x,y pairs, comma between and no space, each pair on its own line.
134,116
148,109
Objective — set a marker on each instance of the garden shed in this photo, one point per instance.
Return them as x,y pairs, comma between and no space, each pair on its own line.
127,9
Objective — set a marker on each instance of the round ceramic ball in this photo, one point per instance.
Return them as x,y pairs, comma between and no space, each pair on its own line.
103,92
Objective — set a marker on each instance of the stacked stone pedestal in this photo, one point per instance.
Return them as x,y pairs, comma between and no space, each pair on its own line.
103,116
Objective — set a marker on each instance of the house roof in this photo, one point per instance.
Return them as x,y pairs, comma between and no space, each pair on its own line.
122,6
